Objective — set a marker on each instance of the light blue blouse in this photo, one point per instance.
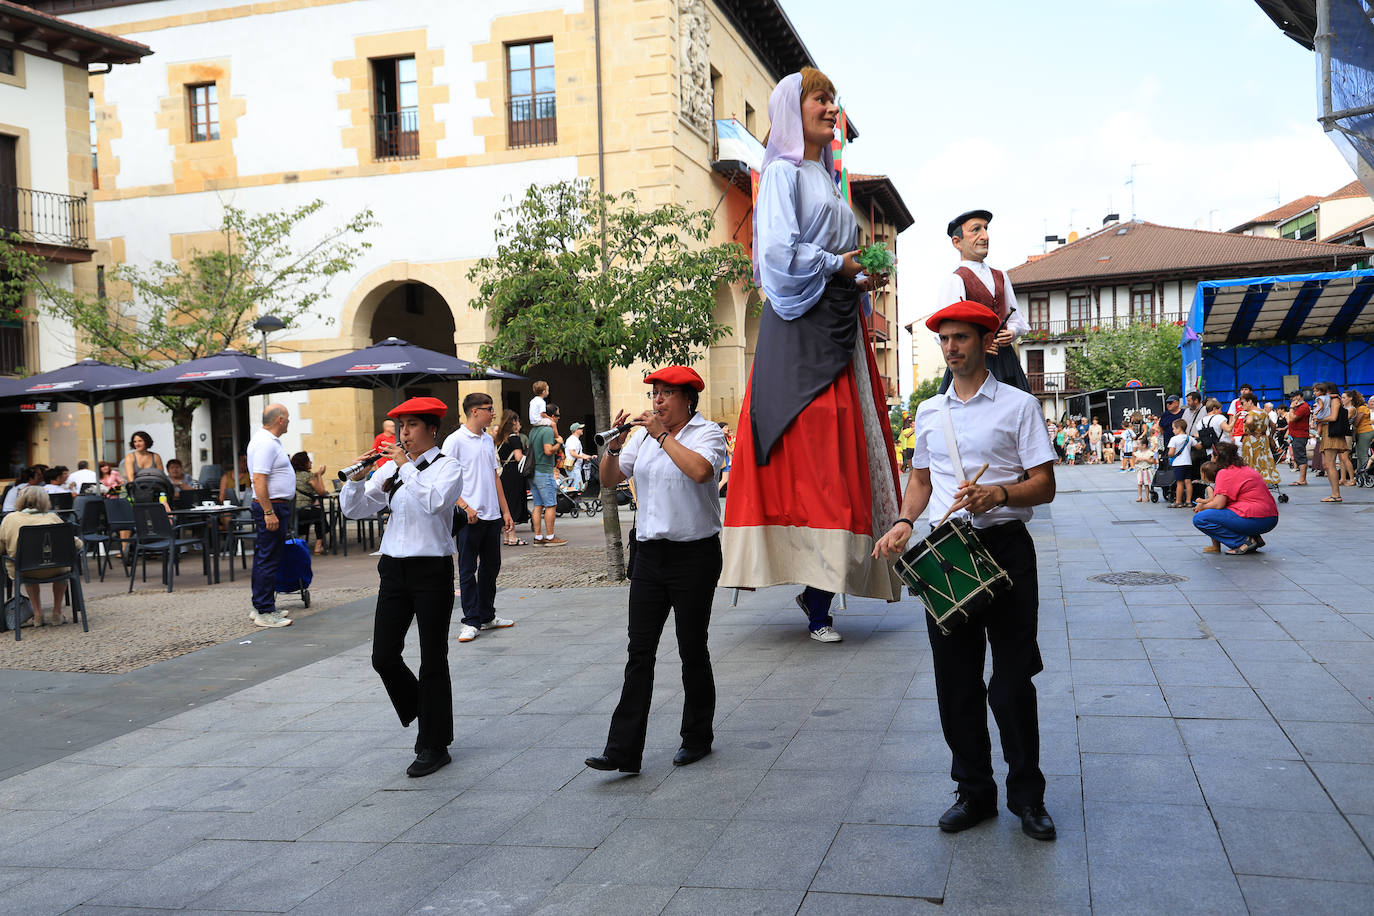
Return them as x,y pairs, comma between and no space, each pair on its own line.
804,226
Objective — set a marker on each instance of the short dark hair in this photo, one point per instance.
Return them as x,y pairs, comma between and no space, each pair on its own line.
83,465
1247,385
172,461
136,434
1195,394
475,400
551,409
51,475
300,461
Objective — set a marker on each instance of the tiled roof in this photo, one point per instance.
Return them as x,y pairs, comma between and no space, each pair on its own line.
1285,212
882,188
88,44
1141,249
1354,189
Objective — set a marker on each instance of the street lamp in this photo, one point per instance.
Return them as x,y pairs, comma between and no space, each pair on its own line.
267,324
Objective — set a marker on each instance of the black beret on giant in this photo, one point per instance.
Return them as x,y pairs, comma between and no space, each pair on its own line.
965,217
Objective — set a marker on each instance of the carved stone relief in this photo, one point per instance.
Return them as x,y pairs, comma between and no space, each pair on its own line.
694,61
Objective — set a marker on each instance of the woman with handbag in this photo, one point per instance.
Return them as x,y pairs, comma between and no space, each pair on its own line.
511,449
1361,427
1334,426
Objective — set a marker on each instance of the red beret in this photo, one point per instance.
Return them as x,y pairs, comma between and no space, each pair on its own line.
971,312
418,406
676,375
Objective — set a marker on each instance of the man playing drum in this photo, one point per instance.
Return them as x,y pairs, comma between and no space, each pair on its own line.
1001,426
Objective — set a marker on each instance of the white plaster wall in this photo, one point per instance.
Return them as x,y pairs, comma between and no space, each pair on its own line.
40,108
56,341
1335,215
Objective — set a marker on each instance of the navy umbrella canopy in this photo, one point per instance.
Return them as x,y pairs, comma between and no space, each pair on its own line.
227,374
88,382
392,363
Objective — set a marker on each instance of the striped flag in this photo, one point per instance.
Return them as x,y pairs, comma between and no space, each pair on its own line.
837,146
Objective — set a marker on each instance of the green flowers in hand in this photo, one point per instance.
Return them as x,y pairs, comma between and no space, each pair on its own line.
876,259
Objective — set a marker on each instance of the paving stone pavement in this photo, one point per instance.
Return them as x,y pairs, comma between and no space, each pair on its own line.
1209,747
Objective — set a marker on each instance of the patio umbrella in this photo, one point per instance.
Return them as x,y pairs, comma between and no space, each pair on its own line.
88,382
392,363
227,374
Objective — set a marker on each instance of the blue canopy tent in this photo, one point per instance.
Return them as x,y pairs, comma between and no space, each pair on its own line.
1279,334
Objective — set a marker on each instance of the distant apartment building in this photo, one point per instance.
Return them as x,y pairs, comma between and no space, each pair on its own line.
1343,217
46,178
1131,272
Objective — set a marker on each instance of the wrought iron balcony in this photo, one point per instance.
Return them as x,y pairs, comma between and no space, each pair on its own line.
44,218
1053,383
532,120
397,134
1079,327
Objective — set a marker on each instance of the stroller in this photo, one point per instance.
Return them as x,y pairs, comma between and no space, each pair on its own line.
1162,483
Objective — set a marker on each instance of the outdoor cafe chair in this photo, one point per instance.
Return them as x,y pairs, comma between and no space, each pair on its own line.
209,477
94,533
243,530
61,501
119,518
190,498
45,547
156,534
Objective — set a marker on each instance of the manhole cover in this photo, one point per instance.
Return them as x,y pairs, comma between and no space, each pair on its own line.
1137,577
1136,521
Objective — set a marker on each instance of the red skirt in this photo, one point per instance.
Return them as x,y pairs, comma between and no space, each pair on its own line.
812,514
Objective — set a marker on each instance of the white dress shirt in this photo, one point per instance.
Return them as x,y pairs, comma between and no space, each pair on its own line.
476,457
672,506
1001,425
266,455
421,523
952,291
81,476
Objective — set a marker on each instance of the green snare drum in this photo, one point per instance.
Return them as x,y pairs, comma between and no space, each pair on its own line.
953,574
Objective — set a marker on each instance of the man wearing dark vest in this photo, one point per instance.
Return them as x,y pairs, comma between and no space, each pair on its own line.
974,281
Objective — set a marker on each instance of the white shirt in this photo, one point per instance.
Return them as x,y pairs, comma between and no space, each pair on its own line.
1001,425
672,506
1182,446
476,457
421,523
51,488
266,455
573,445
81,476
12,496
952,291
537,409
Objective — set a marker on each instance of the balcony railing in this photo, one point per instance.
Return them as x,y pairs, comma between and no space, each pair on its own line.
1053,383
1042,330
532,120
397,134
44,217
11,347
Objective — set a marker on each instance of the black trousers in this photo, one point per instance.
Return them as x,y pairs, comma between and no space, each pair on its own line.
681,576
419,588
1010,629
479,563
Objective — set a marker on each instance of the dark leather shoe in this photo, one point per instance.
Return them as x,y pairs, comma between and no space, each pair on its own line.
965,813
602,762
427,761
686,755
1036,822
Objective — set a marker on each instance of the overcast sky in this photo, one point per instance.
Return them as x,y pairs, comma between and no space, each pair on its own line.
1036,112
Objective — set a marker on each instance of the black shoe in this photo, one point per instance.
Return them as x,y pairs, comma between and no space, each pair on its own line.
602,762
1035,822
965,813
686,755
427,761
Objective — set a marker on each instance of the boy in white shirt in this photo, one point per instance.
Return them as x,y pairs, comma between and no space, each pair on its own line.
538,406
1128,444
1181,460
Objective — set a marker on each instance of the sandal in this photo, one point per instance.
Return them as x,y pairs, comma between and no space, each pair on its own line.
1248,547
518,542
1332,499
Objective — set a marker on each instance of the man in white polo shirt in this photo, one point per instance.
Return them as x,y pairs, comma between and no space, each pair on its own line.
274,488
480,515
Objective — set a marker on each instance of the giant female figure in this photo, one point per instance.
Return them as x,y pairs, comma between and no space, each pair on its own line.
813,480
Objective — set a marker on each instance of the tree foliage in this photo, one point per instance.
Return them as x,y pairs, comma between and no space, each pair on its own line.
924,391
557,289
1146,352
169,312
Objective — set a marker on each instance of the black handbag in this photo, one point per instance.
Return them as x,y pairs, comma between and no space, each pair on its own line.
1339,427
18,611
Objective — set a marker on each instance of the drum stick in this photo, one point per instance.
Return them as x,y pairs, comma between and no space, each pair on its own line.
970,483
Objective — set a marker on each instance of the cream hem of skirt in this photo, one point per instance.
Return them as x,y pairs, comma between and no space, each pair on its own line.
833,560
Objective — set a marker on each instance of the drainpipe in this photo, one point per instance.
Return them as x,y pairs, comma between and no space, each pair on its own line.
600,129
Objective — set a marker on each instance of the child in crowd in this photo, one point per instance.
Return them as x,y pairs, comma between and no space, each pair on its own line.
1181,460
1143,460
538,413
1127,448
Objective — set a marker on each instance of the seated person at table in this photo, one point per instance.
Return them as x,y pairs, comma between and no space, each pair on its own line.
178,477
81,476
229,492
34,508
55,480
309,487
110,478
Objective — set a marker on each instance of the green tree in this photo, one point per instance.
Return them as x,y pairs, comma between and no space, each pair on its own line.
925,390
169,312
1111,358
597,281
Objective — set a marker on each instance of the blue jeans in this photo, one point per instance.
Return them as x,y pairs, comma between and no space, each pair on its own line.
1231,529
542,490
479,563
267,554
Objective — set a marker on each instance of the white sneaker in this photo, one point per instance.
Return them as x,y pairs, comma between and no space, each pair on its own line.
827,634
270,620
497,623
467,633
